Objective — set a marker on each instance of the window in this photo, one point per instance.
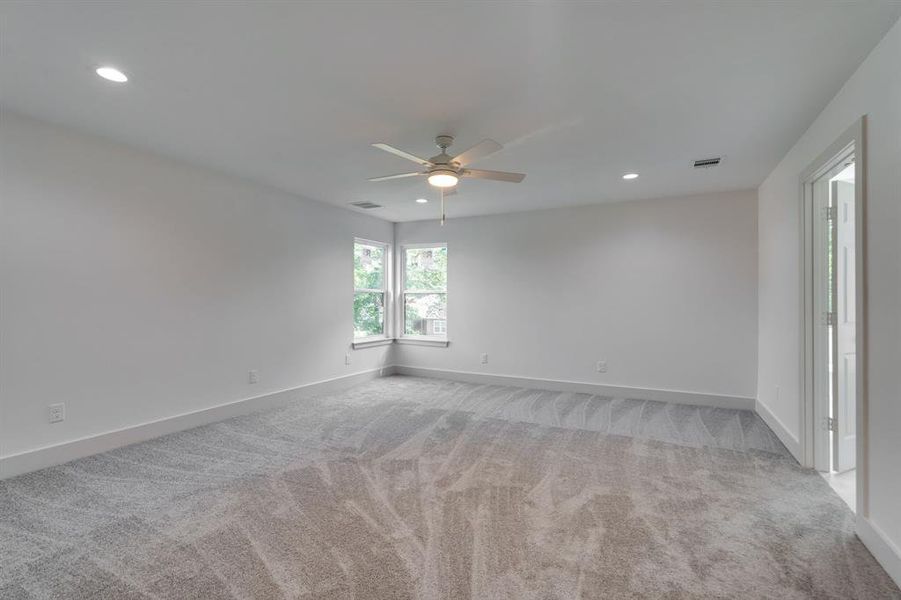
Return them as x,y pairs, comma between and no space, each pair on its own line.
425,291
370,288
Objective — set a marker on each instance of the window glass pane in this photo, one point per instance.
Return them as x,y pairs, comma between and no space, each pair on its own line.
369,266
425,314
369,314
426,269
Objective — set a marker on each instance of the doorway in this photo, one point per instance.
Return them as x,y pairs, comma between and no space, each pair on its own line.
833,311
837,356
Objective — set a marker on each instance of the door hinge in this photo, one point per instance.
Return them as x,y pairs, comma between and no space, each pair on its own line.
829,319
830,424
829,213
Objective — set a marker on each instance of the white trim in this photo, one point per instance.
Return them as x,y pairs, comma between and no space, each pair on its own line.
371,342
422,341
886,553
854,136
425,245
40,458
778,427
619,391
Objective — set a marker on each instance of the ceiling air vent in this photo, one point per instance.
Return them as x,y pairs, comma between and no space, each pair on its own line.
366,205
706,163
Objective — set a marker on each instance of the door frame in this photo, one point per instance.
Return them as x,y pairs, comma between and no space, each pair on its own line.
853,137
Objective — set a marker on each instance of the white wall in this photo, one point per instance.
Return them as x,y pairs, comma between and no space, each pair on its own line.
875,91
664,290
136,288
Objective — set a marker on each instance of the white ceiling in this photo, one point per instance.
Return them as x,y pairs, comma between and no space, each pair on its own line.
292,94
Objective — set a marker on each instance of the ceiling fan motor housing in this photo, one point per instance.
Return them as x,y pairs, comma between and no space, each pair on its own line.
442,163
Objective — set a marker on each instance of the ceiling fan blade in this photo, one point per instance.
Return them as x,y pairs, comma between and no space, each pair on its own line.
402,154
450,191
480,150
495,175
398,176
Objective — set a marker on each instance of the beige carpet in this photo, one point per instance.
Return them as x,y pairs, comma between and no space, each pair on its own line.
418,488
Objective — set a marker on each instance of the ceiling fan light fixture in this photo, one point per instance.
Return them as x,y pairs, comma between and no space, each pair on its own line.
443,178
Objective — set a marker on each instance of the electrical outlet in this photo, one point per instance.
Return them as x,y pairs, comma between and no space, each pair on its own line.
484,358
346,359
253,376
56,412
602,366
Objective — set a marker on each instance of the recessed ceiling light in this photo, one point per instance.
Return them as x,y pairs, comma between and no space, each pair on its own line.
112,74
630,176
421,200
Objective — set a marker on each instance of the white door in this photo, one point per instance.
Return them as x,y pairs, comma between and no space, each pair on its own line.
823,331
844,406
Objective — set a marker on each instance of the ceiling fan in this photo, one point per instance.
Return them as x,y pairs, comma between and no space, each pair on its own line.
444,171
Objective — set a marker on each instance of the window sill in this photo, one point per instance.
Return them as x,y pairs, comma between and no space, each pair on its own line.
415,341
371,342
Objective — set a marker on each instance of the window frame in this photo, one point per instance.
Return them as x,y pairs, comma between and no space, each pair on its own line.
386,336
400,318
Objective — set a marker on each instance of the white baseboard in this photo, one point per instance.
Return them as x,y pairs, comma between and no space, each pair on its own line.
886,553
785,436
676,396
40,458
